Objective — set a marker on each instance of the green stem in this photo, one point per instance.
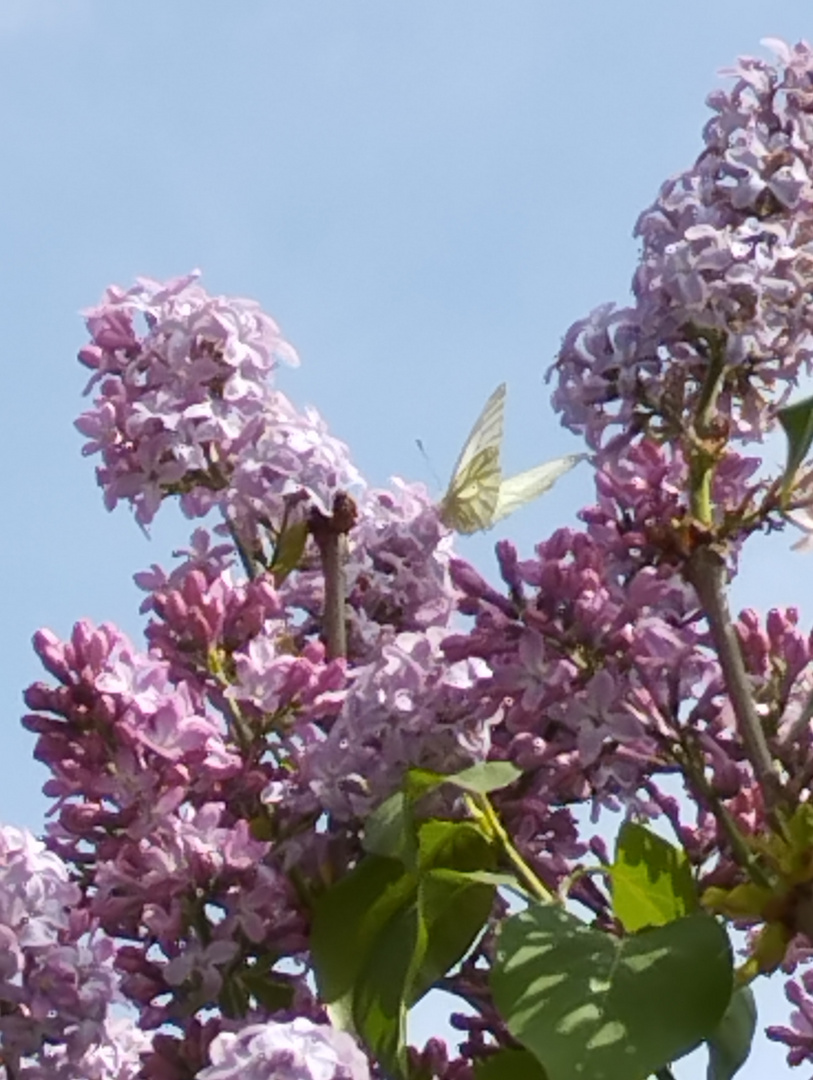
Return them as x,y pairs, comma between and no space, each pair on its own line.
241,729
701,459
533,884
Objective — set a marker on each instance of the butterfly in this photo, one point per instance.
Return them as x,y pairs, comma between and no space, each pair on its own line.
477,496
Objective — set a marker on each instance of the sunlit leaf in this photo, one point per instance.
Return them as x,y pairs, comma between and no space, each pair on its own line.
652,880
289,550
485,777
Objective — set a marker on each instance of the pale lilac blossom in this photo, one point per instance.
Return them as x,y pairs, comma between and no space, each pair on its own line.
408,708
299,1050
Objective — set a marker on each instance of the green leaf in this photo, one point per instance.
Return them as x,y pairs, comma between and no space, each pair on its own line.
288,550
453,909
384,934
350,918
479,779
454,845
453,905
379,996
272,993
730,1044
509,1064
485,777
652,880
588,1004
390,830
418,782
797,420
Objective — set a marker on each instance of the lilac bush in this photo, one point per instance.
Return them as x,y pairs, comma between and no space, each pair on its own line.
285,818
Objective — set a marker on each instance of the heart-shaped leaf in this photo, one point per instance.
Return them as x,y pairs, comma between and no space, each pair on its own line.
589,1004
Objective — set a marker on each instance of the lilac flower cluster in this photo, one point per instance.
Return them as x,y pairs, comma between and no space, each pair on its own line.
299,1050
397,567
207,789
56,982
138,765
115,1054
408,708
185,406
798,1037
589,666
722,278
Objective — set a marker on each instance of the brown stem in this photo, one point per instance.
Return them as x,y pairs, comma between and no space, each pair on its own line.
329,534
706,572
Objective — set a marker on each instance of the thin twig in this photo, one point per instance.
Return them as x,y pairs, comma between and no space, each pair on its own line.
706,571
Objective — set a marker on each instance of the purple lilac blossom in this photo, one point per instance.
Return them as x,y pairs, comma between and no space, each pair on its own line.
203,613
724,266
600,657
115,1055
184,405
287,462
398,564
137,765
211,560
56,982
299,1050
407,708
207,623
397,569
799,1036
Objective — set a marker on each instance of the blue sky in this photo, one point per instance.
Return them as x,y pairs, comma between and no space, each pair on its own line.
424,194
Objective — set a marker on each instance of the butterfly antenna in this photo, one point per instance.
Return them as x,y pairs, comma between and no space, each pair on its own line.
429,464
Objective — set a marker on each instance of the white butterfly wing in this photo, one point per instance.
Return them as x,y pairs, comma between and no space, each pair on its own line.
474,489
486,434
529,485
